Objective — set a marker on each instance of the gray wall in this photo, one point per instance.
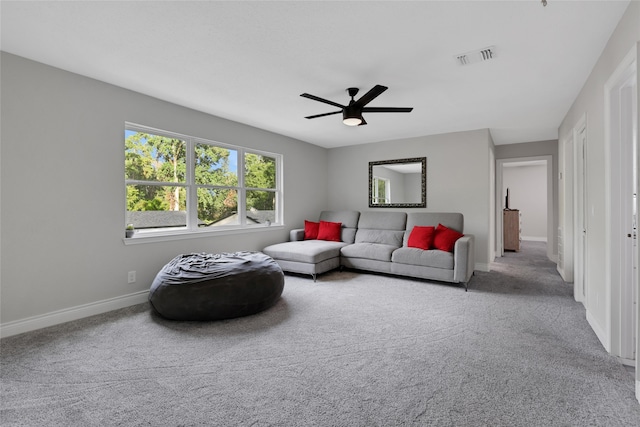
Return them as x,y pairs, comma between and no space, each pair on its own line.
63,193
458,178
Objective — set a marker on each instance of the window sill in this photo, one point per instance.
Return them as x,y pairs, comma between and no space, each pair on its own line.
166,236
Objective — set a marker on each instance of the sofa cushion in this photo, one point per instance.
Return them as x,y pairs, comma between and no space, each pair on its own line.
421,237
445,238
383,220
375,251
385,237
330,231
385,228
310,251
431,258
310,230
349,220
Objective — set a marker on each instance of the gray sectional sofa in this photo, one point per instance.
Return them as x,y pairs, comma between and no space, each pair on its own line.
377,242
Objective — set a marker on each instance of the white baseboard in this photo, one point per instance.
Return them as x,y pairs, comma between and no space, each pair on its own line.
480,266
534,239
600,332
627,362
73,313
564,275
577,295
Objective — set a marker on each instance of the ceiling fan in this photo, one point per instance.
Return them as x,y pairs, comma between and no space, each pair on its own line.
352,113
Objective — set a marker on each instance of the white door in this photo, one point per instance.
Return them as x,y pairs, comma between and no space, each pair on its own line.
568,207
627,129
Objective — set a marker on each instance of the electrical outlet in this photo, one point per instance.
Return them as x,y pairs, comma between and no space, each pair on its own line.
131,277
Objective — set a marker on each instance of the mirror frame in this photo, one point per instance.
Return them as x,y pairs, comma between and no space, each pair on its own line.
422,204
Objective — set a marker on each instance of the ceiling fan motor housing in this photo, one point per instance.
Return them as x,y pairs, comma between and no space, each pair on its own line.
352,115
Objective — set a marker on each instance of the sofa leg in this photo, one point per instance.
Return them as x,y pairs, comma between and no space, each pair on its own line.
314,277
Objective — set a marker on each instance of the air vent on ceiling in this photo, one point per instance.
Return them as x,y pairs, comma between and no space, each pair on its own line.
476,56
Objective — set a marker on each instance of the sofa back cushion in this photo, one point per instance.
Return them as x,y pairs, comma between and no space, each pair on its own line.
348,219
453,220
381,227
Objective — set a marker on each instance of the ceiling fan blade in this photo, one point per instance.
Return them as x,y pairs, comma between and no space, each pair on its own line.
387,110
322,115
371,95
326,101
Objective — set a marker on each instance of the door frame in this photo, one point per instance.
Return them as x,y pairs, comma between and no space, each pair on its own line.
580,234
621,314
566,230
501,195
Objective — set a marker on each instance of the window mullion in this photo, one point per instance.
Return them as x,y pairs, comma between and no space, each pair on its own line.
242,205
192,190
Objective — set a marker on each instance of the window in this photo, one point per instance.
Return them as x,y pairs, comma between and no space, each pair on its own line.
381,190
180,183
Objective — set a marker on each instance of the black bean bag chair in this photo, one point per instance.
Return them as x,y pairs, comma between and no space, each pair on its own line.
216,286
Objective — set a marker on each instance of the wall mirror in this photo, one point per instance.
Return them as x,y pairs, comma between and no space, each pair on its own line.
400,183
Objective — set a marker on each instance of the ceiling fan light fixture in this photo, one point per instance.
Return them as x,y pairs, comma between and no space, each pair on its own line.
351,116
352,121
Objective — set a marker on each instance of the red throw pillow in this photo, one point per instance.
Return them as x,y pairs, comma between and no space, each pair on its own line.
329,231
311,230
421,237
445,238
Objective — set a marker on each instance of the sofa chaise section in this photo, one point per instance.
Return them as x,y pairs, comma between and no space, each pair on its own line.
315,256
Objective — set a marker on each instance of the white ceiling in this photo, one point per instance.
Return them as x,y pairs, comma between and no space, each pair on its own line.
249,61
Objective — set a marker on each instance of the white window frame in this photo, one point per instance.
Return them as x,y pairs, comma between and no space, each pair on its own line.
387,187
192,229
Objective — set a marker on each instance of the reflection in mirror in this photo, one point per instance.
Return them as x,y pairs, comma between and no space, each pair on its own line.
400,183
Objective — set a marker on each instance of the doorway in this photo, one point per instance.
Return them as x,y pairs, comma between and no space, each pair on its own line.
544,185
